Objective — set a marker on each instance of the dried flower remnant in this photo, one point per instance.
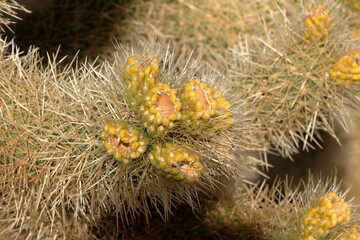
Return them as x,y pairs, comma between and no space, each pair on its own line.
204,107
347,69
161,109
123,141
329,211
317,25
197,99
176,162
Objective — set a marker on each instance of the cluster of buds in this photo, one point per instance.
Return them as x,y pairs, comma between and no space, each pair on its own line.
204,108
329,211
198,108
317,25
176,162
123,141
347,69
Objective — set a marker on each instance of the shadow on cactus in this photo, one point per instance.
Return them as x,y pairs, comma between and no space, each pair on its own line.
289,81
81,28
54,159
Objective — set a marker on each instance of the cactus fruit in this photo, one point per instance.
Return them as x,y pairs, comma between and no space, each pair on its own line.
197,100
204,107
140,76
176,162
317,25
123,142
140,73
161,109
347,69
329,211
139,68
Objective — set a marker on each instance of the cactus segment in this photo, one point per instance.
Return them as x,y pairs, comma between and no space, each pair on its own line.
329,211
347,69
204,107
161,109
317,25
176,162
123,141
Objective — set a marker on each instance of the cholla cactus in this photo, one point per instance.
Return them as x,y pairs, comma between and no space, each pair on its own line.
52,152
206,27
284,211
286,85
347,69
328,212
56,174
317,25
123,141
176,162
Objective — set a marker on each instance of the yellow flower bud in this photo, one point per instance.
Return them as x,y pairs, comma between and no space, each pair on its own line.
329,211
317,25
123,141
176,162
347,69
203,108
